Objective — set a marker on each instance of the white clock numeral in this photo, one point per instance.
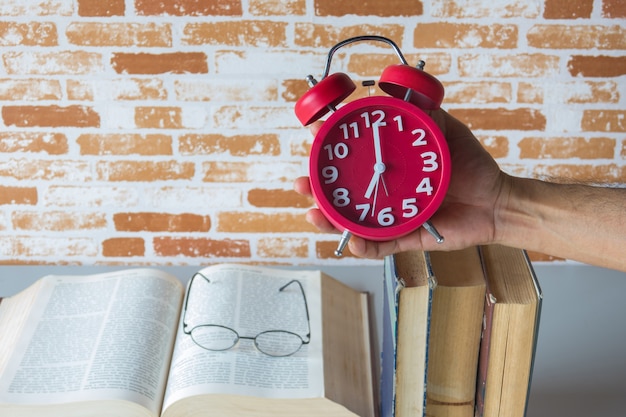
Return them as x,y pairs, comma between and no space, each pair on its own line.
340,151
345,128
409,207
424,186
376,113
330,174
364,209
341,197
420,140
430,161
385,218
398,120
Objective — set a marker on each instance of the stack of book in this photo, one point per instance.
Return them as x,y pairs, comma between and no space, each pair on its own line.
459,332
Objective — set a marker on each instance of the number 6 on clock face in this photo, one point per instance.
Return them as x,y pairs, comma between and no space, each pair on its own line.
379,167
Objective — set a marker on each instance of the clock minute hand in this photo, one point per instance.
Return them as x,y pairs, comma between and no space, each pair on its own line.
379,166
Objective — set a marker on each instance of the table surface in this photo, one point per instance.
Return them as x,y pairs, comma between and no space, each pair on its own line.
580,365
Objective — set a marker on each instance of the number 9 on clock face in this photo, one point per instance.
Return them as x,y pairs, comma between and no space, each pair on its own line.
379,167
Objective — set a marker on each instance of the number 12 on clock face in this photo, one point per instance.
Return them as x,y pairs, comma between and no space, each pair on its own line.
379,167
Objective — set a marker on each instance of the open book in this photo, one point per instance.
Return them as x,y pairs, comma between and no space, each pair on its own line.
136,343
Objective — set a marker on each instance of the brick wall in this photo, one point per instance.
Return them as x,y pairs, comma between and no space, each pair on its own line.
162,132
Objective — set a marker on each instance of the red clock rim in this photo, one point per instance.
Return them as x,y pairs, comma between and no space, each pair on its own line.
381,233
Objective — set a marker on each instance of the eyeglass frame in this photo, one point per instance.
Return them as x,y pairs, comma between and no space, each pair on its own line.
239,337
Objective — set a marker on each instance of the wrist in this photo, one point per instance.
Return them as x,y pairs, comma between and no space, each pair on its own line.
516,217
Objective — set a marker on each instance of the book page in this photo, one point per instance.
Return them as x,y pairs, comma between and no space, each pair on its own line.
248,300
96,337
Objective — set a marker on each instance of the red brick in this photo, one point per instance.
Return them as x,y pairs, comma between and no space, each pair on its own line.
518,65
236,33
597,66
124,144
326,250
146,171
529,93
372,65
259,197
497,146
46,169
201,247
277,7
50,116
161,222
159,117
38,8
219,89
91,196
41,246
369,8
604,121
327,35
591,92
464,92
52,63
301,146
571,9
175,62
49,143
613,9
189,8
277,247
18,195
101,8
58,221
464,35
28,34
485,9
259,117
30,89
116,90
123,247
253,222
119,34
238,145
577,37
217,171
501,119
594,174
293,89
567,147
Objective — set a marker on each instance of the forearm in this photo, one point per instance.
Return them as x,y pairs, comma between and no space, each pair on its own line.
578,222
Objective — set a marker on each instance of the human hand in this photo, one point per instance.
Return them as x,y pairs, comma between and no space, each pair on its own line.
467,215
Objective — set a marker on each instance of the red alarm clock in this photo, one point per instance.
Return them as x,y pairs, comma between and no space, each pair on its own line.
379,166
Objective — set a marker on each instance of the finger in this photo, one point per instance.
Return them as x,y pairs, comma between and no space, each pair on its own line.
317,219
369,249
315,127
302,185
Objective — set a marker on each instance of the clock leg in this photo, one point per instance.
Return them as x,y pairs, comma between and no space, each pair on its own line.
345,237
433,231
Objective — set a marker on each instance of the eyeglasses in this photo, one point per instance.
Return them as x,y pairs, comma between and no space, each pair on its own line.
216,337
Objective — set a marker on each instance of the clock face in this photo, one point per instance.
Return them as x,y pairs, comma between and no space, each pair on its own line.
379,168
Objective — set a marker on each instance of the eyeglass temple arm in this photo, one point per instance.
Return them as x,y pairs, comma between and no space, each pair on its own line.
187,300
306,305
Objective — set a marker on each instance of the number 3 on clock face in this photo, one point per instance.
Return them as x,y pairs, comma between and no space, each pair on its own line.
379,167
